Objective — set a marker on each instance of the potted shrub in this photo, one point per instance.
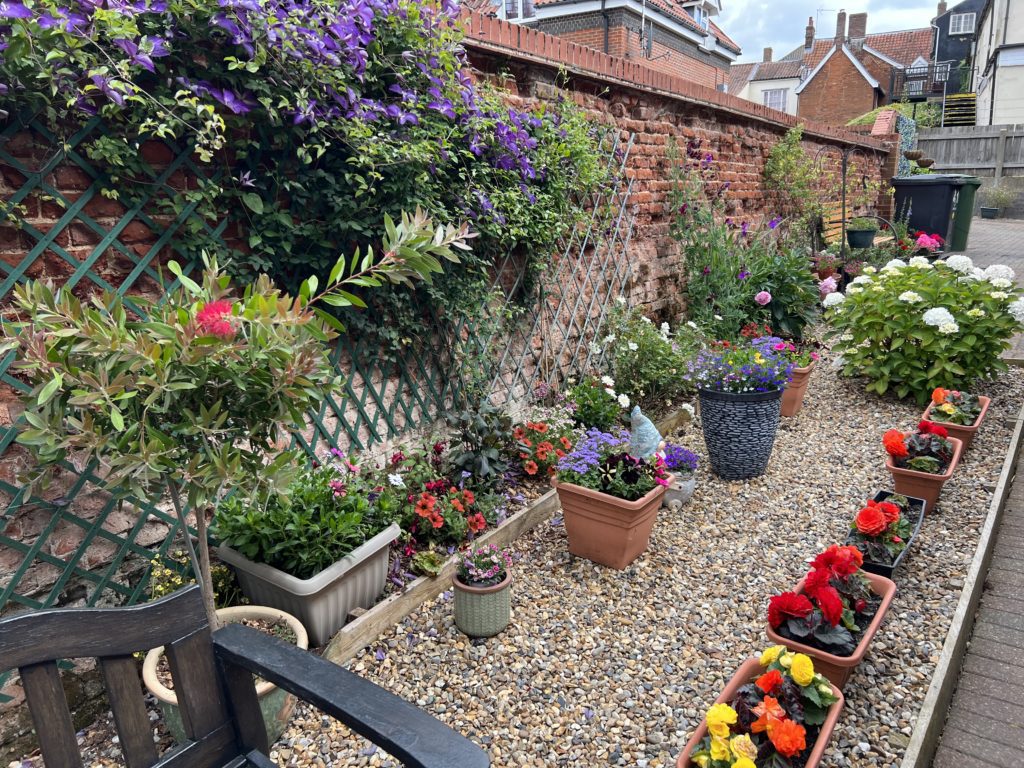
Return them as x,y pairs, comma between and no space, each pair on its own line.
921,462
317,551
961,413
833,613
609,498
996,197
740,387
802,358
860,232
776,710
884,529
682,463
483,591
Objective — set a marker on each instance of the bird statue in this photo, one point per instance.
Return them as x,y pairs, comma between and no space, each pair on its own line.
644,439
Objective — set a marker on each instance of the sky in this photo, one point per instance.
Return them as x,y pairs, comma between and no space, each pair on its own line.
779,24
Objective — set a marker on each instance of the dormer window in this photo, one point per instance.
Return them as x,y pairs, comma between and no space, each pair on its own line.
700,16
519,9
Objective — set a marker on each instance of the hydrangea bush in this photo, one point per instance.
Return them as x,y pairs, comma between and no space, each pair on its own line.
914,326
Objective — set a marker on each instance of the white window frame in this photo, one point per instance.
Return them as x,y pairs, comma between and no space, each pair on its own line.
962,23
942,72
520,9
768,94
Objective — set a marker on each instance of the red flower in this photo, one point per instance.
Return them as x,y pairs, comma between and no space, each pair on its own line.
928,428
770,681
860,605
830,604
566,443
468,498
816,580
436,520
894,445
541,427
786,606
840,561
530,467
476,522
438,448
457,506
212,319
890,510
871,521
518,433
788,737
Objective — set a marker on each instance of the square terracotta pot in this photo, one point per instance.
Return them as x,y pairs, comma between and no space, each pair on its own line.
605,529
749,671
924,485
793,394
962,432
839,668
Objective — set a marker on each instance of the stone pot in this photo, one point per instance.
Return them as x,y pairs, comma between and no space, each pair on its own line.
749,671
793,394
323,601
861,238
681,491
839,668
963,433
739,430
924,485
605,529
275,703
483,611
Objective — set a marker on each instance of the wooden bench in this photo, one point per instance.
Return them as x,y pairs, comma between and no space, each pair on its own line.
213,679
832,225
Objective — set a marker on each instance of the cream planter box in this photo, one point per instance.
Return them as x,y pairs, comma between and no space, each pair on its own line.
322,602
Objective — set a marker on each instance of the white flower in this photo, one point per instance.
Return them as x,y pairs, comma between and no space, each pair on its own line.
717,317
692,324
861,279
980,312
632,346
876,289
910,297
938,316
869,270
895,264
948,328
609,338
610,391
938,262
620,299
853,289
920,262
999,270
977,274
833,299
645,319
608,381
664,330
595,348
962,264
846,337
689,409
1001,282
396,481
999,295
1017,310
624,401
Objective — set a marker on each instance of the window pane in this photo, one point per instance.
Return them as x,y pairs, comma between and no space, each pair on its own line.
961,23
511,9
528,12
776,98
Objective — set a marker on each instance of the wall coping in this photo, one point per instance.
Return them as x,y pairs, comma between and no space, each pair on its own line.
494,35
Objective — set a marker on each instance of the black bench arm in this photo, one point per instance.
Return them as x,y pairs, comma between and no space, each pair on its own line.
393,724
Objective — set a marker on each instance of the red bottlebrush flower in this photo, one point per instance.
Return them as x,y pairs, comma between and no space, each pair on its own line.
770,681
871,521
212,319
830,604
786,606
894,445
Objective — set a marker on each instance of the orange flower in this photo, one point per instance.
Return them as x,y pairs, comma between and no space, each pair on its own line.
530,467
541,427
542,454
518,433
770,681
425,505
769,714
436,520
457,506
894,445
788,737
566,443
559,453
526,442
476,522
468,498
938,395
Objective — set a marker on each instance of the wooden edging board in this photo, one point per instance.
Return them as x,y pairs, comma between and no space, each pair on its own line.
932,717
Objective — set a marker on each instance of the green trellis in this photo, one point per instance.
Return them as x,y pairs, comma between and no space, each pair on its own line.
380,400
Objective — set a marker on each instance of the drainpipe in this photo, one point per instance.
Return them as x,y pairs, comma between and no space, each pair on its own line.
604,18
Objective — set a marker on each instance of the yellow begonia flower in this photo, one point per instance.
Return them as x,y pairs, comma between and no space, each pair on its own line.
802,669
742,746
786,659
744,762
701,760
719,749
721,713
771,654
719,730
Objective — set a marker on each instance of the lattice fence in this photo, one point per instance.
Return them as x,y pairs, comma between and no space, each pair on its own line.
75,544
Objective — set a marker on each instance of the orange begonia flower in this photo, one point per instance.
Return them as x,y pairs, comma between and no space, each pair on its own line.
938,395
769,713
788,737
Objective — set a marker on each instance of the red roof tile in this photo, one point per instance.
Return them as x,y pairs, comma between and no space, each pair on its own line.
739,76
903,46
776,70
723,38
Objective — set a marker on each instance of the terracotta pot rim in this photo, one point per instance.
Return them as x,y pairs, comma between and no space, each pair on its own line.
634,505
985,402
880,585
958,446
464,587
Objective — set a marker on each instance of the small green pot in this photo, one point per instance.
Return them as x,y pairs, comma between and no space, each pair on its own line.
483,611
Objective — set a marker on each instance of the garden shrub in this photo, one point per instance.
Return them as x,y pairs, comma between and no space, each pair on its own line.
785,275
909,328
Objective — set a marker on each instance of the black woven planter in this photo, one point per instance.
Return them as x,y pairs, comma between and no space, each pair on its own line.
739,431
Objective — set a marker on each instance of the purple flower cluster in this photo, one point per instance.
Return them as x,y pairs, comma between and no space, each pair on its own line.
742,367
679,459
590,451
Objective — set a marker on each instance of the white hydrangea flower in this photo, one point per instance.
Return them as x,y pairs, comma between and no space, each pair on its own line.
1000,271
979,312
610,392
1017,310
959,263
833,299
938,316
920,262
396,481
624,401
859,279
949,328
999,295
910,297
853,289
1001,282
664,330
632,346
608,381
869,270
895,264
977,274
645,319
938,262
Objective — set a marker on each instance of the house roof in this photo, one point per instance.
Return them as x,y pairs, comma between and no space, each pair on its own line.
777,70
723,38
902,46
740,75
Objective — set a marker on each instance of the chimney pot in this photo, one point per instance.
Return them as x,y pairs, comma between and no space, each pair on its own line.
809,33
942,7
767,54
858,26
841,28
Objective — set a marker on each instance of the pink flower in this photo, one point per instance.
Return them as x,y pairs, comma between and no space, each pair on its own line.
212,319
763,298
827,286
929,242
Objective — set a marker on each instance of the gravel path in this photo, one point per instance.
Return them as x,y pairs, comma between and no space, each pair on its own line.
607,668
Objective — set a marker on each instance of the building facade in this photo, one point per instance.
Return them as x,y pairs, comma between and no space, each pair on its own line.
954,30
999,63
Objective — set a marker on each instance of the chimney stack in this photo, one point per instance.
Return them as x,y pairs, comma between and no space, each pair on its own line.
858,26
942,7
809,34
767,54
841,28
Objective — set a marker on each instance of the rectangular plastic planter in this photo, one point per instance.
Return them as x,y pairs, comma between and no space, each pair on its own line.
963,432
887,570
322,602
839,668
924,485
748,671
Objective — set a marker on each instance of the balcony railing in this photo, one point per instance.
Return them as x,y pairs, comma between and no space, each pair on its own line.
922,82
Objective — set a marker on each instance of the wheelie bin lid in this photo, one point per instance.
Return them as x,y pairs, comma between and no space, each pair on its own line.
944,179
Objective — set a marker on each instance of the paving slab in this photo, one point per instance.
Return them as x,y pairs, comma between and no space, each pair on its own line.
999,241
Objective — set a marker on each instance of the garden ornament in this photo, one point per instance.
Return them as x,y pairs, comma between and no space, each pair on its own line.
644,437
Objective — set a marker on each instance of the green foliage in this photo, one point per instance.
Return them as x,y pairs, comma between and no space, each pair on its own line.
882,333
863,223
786,275
925,114
792,174
171,574
593,403
484,435
998,195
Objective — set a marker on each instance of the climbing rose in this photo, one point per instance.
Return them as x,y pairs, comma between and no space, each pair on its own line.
212,319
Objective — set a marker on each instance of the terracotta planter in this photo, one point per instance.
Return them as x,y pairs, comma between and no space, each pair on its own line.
793,394
749,671
483,611
839,668
924,485
276,704
605,529
961,432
